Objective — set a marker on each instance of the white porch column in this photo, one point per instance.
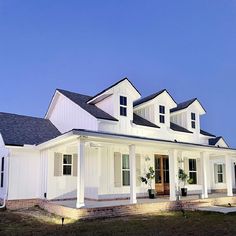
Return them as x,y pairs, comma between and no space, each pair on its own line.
80,173
204,167
132,164
228,170
173,172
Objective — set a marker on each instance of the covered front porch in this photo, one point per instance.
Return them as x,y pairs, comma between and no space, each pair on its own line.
104,170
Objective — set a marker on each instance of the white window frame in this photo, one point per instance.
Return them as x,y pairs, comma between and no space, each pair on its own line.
67,164
193,120
193,171
2,172
124,170
162,114
123,106
222,173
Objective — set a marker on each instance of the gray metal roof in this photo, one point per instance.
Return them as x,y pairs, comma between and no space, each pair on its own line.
19,130
138,120
206,133
176,127
81,100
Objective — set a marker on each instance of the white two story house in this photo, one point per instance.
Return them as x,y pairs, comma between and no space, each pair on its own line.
98,147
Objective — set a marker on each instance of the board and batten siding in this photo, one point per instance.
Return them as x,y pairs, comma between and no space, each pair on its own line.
24,174
66,115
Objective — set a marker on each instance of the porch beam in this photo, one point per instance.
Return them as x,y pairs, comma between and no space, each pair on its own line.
228,170
204,167
173,173
132,163
80,173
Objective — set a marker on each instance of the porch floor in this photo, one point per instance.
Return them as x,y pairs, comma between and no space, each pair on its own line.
109,203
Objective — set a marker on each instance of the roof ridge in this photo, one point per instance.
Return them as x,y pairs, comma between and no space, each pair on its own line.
57,89
151,96
113,85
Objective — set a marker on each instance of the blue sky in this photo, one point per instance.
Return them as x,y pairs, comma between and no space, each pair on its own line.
187,47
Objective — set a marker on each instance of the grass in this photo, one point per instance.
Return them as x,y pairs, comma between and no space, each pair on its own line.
38,222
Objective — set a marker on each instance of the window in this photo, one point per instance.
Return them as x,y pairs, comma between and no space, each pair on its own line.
193,120
123,106
162,119
125,170
162,114
67,164
2,172
162,109
193,170
219,173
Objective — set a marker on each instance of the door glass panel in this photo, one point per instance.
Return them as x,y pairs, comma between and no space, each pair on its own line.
158,179
166,170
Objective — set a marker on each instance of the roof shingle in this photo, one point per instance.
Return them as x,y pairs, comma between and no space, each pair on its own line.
19,130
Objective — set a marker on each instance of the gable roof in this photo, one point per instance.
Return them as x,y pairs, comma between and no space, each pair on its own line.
113,85
206,133
19,130
138,120
214,141
186,104
81,100
176,127
150,97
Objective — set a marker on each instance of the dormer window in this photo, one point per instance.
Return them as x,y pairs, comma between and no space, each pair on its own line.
193,120
123,106
162,114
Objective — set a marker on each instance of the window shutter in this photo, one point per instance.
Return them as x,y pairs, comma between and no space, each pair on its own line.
186,165
75,161
117,169
224,176
215,173
57,164
199,171
138,170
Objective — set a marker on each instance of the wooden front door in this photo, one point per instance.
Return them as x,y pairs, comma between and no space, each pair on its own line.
162,174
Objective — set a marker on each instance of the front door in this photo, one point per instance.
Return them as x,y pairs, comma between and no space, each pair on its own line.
162,174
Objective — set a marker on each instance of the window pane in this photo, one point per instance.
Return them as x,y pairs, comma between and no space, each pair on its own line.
66,170
193,125
193,176
158,177
123,111
162,109
220,178
123,100
2,175
125,161
126,177
166,176
193,116
67,159
162,119
192,165
2,168
220,168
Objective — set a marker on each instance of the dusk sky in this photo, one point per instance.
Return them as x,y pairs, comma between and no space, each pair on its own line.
185,46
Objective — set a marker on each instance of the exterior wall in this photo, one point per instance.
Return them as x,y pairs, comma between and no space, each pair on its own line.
64,187
108,190
24,174
67,115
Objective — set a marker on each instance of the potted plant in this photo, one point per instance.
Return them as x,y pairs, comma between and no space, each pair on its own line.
184,178
147,179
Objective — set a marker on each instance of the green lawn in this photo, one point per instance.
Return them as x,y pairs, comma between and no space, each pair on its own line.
37,222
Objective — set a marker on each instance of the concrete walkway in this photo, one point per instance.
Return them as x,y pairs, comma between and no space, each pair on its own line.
220,209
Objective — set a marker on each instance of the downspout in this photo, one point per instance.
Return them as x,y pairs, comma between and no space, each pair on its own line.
7,180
